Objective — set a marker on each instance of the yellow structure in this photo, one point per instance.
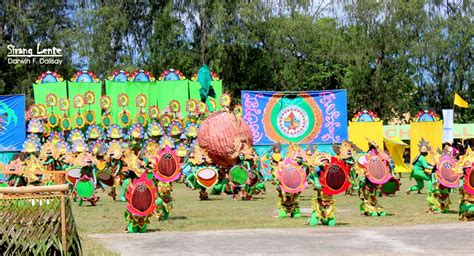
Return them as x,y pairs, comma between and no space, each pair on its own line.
431,132
360,132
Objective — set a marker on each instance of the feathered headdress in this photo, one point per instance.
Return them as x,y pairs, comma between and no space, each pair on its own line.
114,150
75,134
136,131
166,141
94,132
155,129
56,137
98,148
175,128
30,146
114,132
35,126
191,130
79,146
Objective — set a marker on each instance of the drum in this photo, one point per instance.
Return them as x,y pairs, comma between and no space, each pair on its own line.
254,178
207,176
390,187
238,175
73,174
105,177
85,188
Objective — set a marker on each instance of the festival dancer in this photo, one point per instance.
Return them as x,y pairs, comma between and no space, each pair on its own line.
445,177
421,169
375,162
323,203
290,178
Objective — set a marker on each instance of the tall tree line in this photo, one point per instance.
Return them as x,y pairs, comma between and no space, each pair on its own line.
392,56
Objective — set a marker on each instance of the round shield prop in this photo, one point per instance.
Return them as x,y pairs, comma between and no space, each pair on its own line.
335,178
206,176
446,174
390,187
238,175
378,171
292,178
141,197
167,167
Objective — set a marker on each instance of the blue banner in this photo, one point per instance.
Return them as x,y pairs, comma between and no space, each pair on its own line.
313,117
12,122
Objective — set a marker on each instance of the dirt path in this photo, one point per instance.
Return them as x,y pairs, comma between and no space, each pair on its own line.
444,239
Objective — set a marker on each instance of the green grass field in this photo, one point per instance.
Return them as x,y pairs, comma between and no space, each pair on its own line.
222,212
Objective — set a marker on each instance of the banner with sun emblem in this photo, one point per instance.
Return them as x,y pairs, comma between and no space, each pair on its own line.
299,117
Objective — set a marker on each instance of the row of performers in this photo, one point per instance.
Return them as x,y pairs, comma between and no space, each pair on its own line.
370,174
152,170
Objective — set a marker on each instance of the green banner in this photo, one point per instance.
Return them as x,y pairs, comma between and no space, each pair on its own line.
81,88
42,90
132,89
195,86
173,90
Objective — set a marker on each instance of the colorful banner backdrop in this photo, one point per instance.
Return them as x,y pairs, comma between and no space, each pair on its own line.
431,132
12,122
298,117
81,88
5,158
361,132
42,90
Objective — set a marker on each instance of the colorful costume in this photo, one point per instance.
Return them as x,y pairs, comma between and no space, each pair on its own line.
290,178
421,169
374,173
446,177
333,180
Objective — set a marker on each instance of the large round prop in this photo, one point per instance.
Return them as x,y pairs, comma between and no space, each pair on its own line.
378,171
223,135
73,174
390,187
446,174
335,178
206,176
238,175
105,177
85,188
292,178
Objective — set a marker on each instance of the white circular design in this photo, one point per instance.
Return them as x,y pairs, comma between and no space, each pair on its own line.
292,121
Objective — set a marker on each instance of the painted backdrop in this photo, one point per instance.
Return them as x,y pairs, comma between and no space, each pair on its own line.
313,117
12,122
